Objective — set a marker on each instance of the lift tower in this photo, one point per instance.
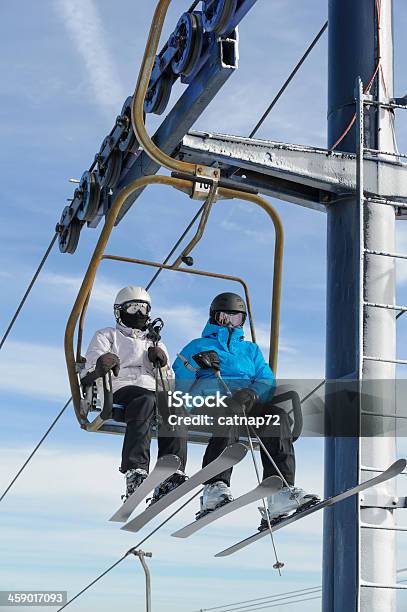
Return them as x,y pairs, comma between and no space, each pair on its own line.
359,559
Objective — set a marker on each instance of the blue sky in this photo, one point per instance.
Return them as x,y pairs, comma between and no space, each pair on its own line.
66,68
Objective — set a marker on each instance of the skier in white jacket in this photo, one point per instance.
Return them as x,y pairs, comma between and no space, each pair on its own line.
128,352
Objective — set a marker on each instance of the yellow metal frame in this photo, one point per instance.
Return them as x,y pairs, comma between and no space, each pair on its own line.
181,184
137,110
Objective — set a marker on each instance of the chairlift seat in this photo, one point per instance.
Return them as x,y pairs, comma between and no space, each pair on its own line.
116,424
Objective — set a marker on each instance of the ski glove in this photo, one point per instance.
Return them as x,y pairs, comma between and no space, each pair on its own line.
245,397
107,362
207,360
157,356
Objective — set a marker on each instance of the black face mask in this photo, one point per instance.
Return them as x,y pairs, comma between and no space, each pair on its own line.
135,321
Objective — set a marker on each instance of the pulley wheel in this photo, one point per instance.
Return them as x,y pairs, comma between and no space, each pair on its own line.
158,96
217,14
189,34
69,237
128,138
106,143
113,169
89,193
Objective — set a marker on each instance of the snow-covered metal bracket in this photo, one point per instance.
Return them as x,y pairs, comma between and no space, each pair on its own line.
308,176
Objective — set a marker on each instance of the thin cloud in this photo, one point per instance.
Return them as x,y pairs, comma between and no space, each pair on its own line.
34,370
84,25
104,292
263,340
260,237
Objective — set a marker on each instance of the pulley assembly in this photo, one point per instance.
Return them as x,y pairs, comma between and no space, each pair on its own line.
183,56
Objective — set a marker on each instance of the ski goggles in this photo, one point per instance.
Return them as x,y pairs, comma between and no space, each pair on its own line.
229,318
134,306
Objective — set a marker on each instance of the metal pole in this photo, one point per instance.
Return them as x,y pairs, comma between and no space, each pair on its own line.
141,555
350,556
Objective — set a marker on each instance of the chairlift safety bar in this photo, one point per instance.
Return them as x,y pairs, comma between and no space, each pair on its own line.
161,266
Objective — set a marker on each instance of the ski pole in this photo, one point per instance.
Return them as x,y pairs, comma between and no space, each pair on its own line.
278,564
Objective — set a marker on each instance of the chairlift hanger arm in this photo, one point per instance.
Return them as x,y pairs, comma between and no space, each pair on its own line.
201,227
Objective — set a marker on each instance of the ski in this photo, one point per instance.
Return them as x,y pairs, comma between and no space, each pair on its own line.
395,469
227,459
269,486
165,467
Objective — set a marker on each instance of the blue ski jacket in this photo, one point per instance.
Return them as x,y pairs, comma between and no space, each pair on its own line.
241,364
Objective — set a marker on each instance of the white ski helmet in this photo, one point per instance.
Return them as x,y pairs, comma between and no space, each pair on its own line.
129,294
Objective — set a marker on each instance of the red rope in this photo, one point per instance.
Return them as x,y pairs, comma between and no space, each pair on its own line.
372,80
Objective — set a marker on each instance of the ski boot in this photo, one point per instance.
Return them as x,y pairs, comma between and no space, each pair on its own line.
168,485
286,501
215,495
134,478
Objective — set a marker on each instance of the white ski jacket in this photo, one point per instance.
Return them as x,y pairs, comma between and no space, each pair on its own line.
131,346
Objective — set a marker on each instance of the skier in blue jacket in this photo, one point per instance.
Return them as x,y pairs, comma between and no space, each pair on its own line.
250,378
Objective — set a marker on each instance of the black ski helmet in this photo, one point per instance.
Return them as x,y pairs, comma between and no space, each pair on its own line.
228,302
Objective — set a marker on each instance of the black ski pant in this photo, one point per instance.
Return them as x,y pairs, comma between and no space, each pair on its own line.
139,411
276,437
221,438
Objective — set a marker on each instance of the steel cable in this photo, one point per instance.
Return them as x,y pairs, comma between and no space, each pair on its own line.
319,385
260,600
35,449
284,86
174,248
193,6
288,81
276,605
26,294
265,604
129,552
